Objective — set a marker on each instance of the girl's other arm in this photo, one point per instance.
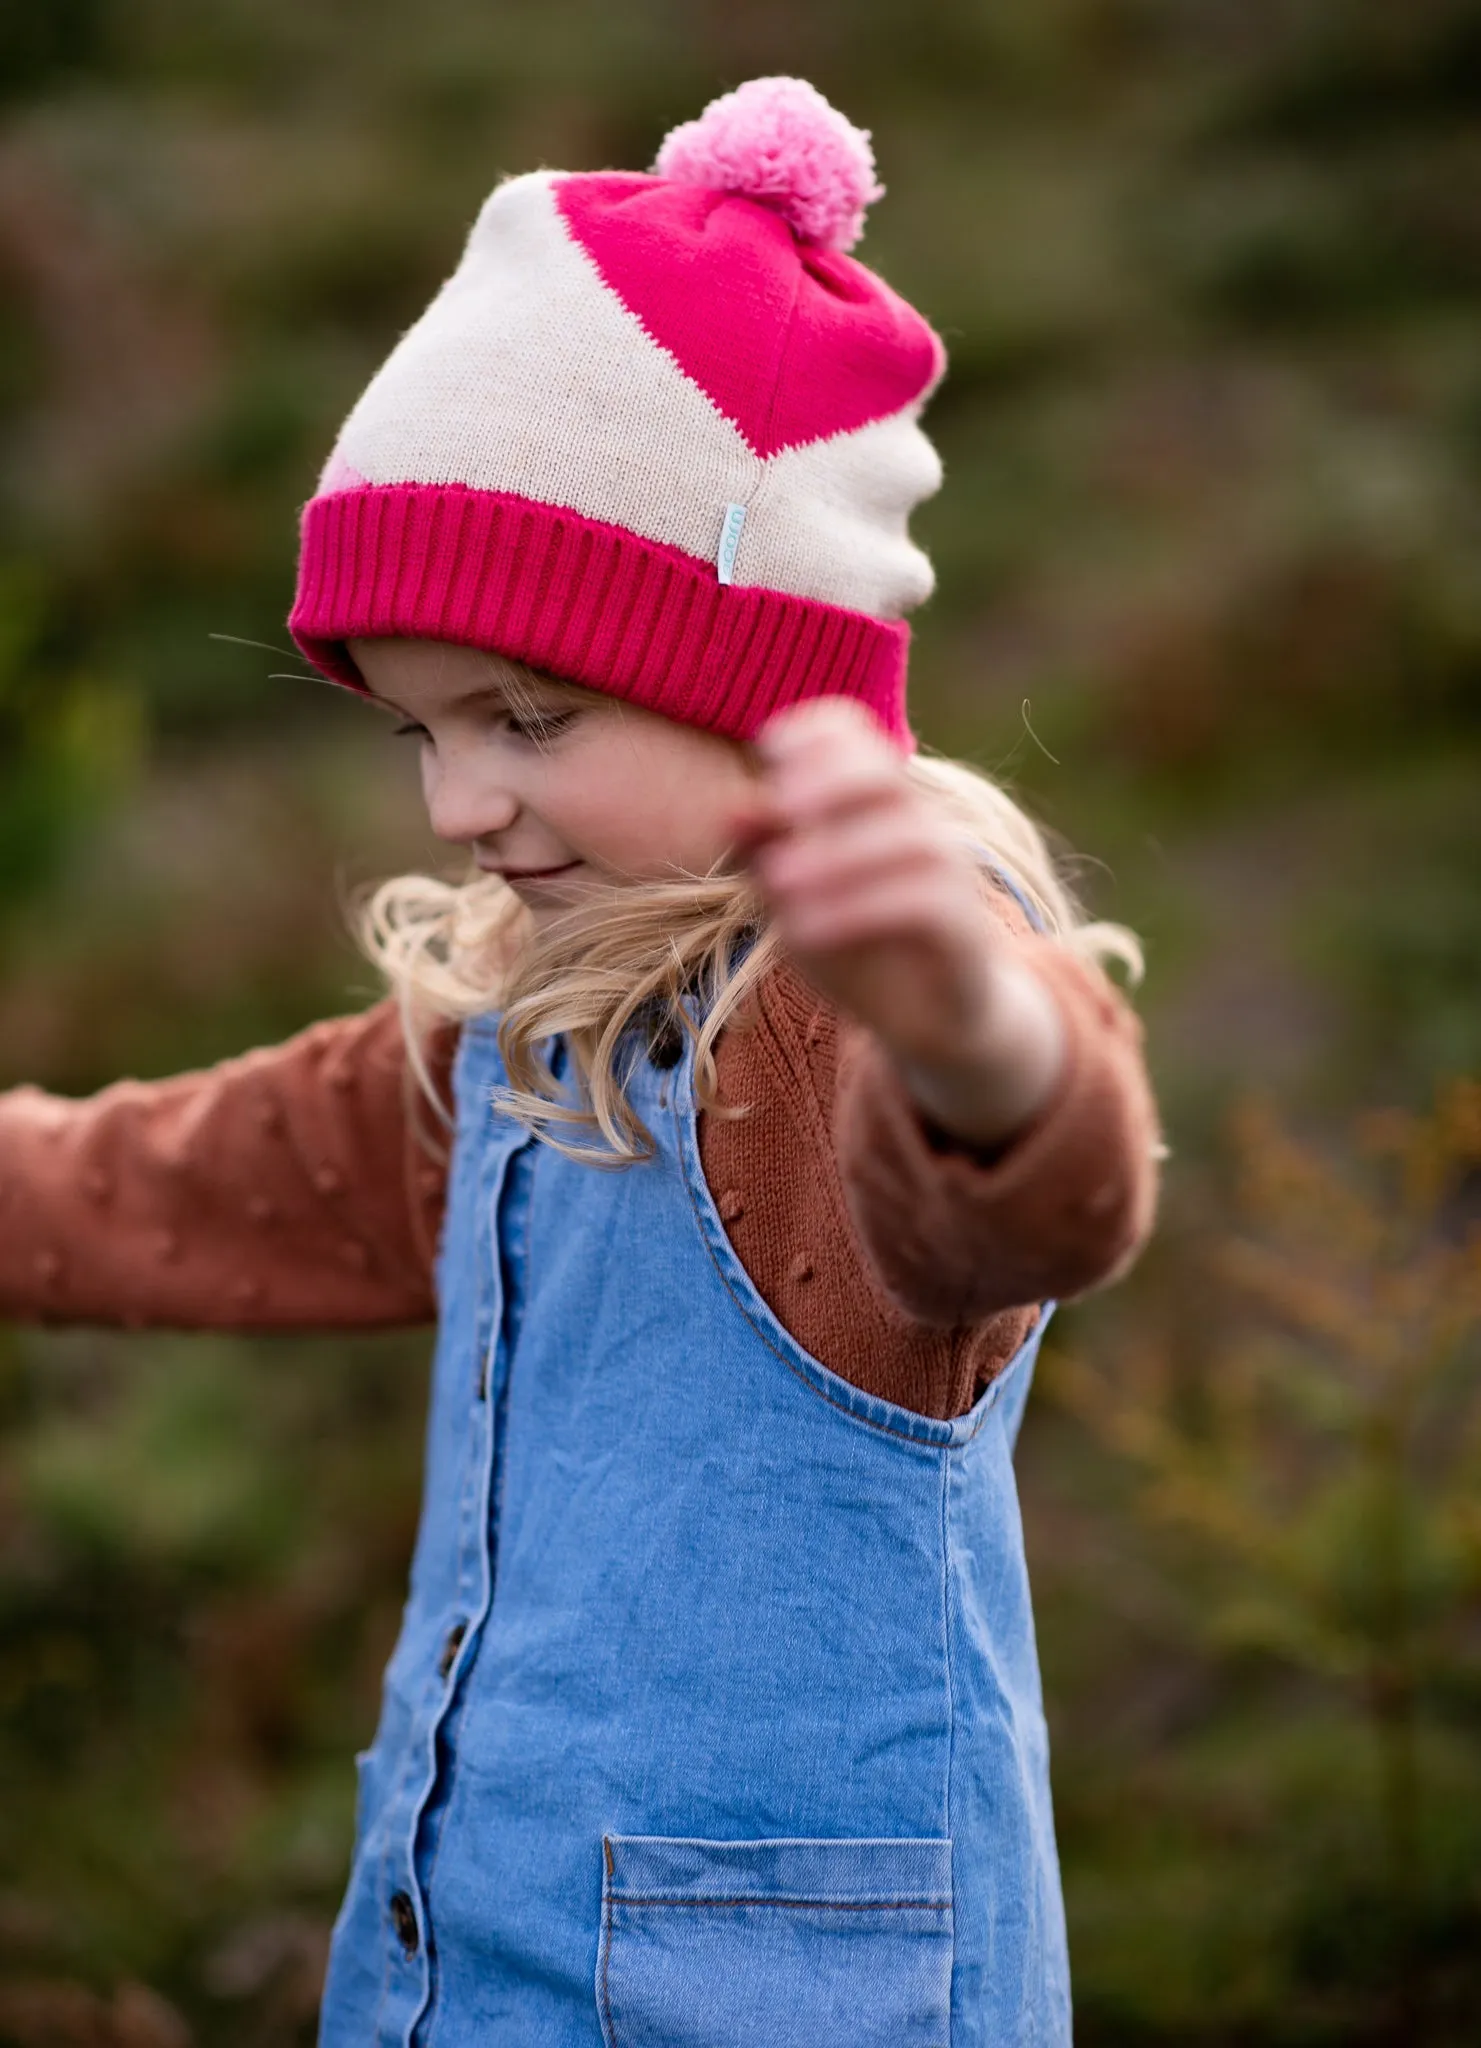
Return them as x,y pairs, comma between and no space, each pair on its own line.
284,1189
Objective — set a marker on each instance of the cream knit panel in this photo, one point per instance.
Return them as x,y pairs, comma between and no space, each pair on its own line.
829,519
528,375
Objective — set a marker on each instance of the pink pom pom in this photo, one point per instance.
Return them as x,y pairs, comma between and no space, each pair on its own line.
779,141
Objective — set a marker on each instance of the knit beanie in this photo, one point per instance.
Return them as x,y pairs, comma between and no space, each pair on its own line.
657,434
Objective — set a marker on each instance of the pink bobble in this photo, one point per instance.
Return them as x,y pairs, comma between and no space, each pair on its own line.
778,140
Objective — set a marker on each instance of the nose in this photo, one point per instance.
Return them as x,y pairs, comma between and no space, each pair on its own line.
463,805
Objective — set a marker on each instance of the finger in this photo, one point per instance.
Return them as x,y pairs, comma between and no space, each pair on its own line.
822,732
834,784
797,726
864,916
858,848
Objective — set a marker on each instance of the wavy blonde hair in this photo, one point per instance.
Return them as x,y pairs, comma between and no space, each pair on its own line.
613,971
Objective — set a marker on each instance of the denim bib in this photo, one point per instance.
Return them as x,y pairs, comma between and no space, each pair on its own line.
715,1716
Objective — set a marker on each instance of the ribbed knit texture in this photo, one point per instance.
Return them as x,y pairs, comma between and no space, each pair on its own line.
586,601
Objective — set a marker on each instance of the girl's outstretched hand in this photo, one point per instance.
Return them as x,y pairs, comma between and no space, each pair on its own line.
884,913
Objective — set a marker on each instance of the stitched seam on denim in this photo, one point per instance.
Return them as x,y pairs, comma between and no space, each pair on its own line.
608,2029
529,1226
866,1421
948,1468
409,1756
451,1718
384,1875
402,1785
418,1890
810,1905
489,1190
452,1711
448,1710
433,2007
946,1471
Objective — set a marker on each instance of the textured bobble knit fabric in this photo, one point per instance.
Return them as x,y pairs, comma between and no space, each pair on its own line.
293,1188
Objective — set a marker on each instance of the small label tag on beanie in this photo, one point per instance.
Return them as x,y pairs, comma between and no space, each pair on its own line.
730,533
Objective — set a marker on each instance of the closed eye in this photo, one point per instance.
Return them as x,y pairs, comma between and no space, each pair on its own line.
537,730
543,728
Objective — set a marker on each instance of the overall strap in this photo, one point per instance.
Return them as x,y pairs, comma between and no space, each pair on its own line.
1014,888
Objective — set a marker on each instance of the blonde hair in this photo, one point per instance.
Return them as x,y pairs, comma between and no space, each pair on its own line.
622,961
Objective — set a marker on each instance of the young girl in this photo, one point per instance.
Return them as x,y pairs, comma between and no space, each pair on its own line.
787,1095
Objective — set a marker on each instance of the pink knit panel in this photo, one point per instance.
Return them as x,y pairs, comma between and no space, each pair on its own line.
791,343
580,599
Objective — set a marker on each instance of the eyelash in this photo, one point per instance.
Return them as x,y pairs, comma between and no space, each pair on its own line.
541,729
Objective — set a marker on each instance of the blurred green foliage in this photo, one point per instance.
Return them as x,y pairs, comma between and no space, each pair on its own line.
1210,596
1316,1465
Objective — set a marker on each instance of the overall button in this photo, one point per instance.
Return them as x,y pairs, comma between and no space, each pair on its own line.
455,1636
404,1920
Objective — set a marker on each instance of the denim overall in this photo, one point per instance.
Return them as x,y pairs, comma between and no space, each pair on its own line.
715,1717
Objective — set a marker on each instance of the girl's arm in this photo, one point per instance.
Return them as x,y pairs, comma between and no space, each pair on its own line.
957,1232
284,1189
995,1134
888,1246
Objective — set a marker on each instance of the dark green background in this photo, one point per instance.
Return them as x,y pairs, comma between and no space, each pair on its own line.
1210,597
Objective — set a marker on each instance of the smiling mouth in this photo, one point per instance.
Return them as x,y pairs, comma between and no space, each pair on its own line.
534,874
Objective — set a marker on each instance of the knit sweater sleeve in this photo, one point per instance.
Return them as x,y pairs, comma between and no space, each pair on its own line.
290,1188
956,1234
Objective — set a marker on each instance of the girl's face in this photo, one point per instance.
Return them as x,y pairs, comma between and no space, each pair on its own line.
553,786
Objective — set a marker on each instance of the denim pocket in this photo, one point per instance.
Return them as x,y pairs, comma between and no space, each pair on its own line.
797,1944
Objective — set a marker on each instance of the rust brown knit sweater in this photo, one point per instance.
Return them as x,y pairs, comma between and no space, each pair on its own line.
288,1189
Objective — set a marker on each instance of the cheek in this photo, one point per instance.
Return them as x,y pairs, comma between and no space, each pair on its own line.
609,820
702,791
589,797
688,815
641,806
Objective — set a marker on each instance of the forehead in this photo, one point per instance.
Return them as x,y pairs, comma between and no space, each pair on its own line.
448,675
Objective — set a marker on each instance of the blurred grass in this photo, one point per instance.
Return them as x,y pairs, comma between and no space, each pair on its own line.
1210,596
